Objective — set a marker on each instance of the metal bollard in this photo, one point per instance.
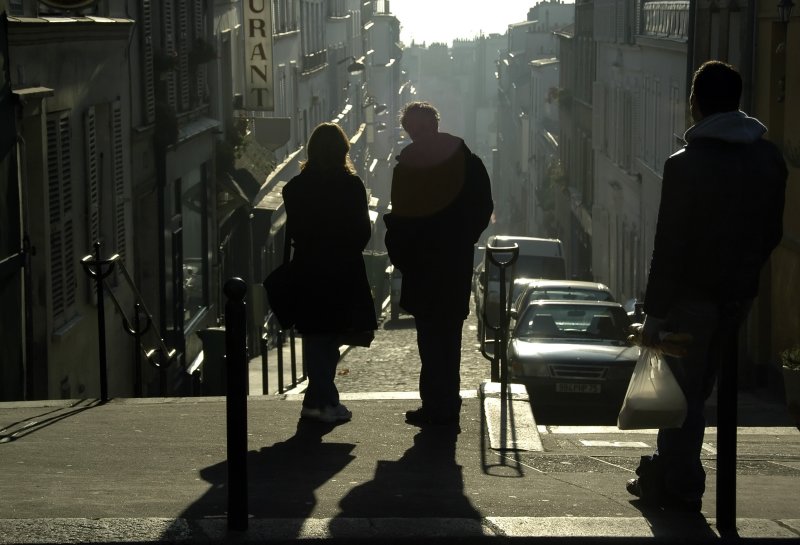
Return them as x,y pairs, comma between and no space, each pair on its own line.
236,402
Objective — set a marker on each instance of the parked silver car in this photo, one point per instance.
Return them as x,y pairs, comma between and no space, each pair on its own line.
572,352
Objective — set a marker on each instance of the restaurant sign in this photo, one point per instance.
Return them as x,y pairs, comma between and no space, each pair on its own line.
258,55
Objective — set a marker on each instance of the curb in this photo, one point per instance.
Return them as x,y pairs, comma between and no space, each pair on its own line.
387,530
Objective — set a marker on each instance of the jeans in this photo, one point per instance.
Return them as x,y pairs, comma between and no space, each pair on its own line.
676,464
439,343
322,355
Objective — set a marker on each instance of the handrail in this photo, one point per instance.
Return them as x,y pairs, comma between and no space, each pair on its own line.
171,353
159,357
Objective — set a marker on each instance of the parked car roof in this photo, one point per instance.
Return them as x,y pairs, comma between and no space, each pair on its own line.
559,289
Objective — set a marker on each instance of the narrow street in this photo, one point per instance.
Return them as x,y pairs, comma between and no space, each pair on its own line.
576,444
391,364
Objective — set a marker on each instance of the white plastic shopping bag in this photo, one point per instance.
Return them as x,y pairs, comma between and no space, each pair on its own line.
654,399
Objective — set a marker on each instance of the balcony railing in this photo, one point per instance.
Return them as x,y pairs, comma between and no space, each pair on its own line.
666,19
314,60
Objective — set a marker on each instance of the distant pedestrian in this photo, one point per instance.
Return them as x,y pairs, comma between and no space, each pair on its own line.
720,217
328,223
441,203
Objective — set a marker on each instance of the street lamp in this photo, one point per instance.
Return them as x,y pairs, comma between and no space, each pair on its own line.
356,67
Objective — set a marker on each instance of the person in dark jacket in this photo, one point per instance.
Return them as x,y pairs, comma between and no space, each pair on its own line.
328,223
441,203
720,217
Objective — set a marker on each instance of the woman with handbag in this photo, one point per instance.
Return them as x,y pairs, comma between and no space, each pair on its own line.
329,226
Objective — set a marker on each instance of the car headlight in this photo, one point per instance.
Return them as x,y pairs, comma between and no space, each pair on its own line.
523,368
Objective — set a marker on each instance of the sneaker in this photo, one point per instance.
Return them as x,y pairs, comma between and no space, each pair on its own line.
336,413
328,414
419,417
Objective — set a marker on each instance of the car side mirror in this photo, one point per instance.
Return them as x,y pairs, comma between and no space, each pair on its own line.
513,313
482,277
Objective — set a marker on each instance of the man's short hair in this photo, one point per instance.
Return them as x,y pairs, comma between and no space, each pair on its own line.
420,108
717,87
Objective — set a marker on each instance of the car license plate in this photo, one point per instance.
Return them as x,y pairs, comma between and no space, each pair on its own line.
578,388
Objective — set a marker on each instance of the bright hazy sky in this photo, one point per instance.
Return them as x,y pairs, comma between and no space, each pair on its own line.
443,20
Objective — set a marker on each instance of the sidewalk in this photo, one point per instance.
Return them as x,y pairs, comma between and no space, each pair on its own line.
154,470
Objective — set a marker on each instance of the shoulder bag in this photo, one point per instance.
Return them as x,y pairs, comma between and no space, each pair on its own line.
281,289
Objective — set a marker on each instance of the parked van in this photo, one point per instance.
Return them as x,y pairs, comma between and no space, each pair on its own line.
538,258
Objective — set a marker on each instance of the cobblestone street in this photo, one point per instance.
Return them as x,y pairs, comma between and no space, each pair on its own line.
391,364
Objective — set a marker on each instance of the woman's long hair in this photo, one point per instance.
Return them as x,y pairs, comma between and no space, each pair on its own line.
328,150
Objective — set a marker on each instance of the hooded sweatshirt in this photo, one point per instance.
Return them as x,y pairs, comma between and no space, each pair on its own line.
734,127
720,215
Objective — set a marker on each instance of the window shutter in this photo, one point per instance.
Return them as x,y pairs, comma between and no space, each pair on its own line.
170,46
148,77
184,43
199,32
92,189
118,177
598,119
636,122
62,263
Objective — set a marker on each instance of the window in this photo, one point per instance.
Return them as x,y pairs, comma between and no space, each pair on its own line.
118,180
63,282
200,70
148,78
337,8
92,177
106,210
313,34
170,50
183,40
284,16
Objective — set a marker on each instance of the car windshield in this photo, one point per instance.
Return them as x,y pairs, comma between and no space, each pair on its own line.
573,322
565,294
530,266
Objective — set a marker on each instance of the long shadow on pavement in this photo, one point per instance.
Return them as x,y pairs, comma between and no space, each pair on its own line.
280,482
669,524
426,482
27,426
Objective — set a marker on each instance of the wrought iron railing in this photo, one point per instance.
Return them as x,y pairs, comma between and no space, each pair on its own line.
159,355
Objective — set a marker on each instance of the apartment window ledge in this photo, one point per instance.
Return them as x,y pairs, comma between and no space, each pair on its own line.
286,34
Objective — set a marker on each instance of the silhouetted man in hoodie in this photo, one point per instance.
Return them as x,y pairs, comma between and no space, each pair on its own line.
441,203
720,217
